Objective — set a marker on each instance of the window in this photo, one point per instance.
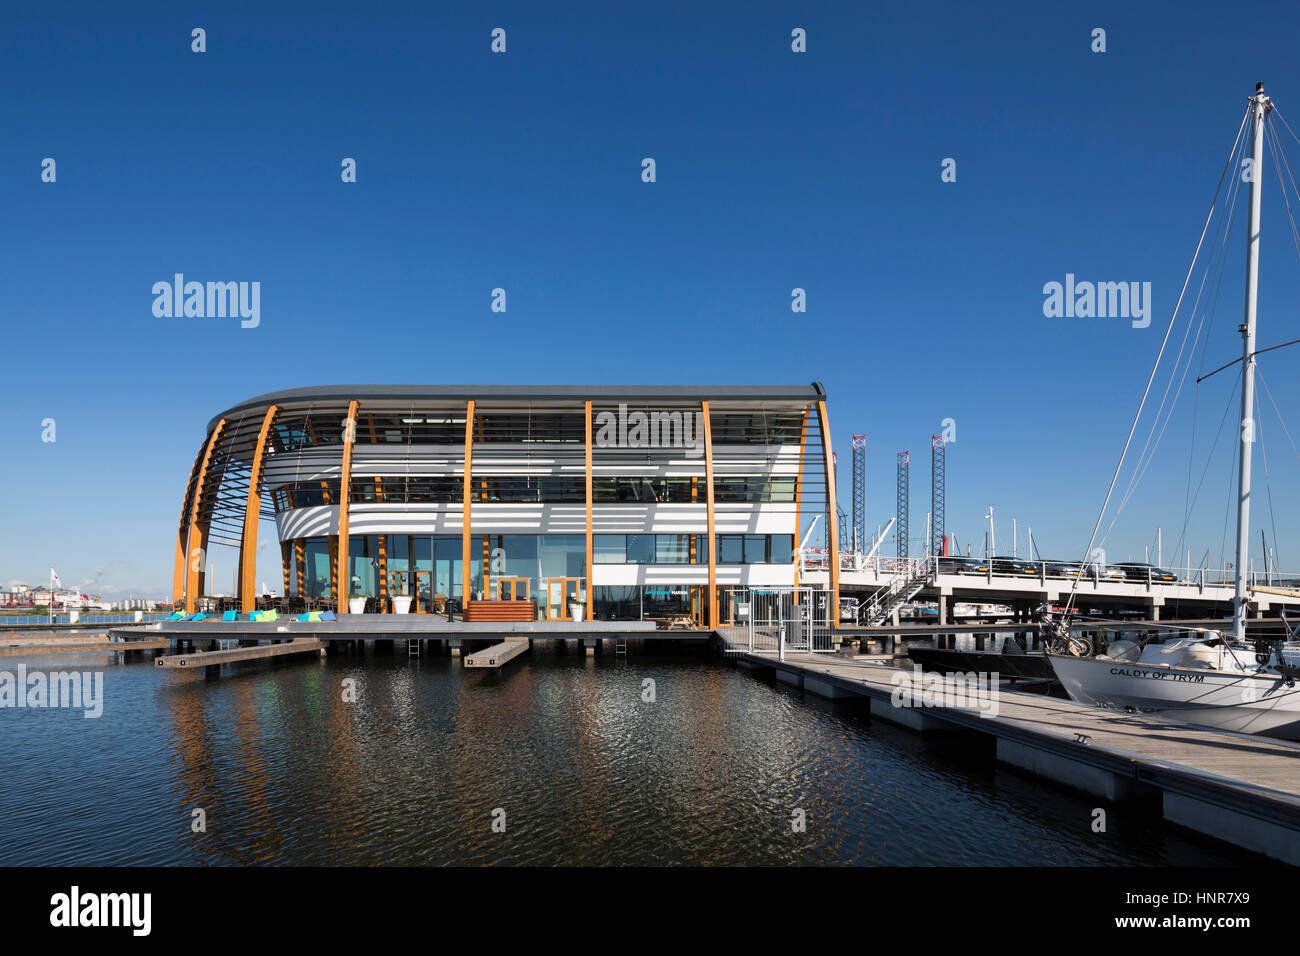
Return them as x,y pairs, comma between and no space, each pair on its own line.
672,549
606,488
609,548
640,549
305,494
754,488
755,548
731,549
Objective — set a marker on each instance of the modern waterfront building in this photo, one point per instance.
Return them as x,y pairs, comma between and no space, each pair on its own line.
641,501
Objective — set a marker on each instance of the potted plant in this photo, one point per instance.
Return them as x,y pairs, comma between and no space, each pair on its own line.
401,599
356,600
577,609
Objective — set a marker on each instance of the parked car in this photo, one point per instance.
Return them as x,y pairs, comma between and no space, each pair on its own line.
1104,572
1005,565
1062,569
959,564
1138,571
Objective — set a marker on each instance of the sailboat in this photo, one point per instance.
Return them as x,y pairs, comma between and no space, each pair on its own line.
1204,677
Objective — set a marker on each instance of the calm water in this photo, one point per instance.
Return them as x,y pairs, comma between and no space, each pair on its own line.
586,772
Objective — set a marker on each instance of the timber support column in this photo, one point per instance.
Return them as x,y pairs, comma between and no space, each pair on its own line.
198,533
832,515
252,512
466,578
714,617
797,556
183,530
286,564
591,591
345,493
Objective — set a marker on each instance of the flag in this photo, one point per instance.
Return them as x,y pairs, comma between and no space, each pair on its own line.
54,579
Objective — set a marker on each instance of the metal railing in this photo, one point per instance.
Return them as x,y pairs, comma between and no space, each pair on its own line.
18,620
779,621
816,559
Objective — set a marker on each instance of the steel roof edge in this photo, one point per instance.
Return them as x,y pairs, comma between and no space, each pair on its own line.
813,392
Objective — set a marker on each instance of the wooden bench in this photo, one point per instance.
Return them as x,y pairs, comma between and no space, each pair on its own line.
500,611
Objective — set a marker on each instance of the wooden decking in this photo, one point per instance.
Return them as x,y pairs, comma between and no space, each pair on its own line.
13,646
304,645
1240,788
497,654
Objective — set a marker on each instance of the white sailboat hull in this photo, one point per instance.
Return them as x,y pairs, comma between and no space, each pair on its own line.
1223,700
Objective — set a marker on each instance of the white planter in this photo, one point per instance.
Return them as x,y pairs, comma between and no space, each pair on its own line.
575,612
357,605
402,605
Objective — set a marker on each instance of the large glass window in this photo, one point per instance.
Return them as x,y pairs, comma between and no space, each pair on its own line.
317,552
665,600
731,549
672,549
755,548
305,494
639,489
640,549
617,603
753,488
609,548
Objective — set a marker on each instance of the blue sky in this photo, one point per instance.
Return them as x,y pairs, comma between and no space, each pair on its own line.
775,170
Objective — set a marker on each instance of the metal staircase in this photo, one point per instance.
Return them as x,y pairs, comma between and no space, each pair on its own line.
905,585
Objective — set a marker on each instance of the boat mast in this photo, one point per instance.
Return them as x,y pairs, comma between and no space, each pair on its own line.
1259,108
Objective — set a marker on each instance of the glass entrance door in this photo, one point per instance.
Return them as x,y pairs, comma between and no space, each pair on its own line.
512,589
423,603
560,593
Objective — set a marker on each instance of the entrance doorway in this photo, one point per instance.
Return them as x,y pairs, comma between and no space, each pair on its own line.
423,603
512,589
560,593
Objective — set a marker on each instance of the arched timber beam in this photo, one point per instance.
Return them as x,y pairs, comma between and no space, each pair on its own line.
252,512
197,538
832,514
343,586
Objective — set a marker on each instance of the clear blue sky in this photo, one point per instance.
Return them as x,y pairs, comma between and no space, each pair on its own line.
775,170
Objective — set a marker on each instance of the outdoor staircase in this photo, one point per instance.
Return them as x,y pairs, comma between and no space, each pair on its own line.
904,586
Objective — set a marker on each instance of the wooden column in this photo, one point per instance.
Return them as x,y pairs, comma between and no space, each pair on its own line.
183,530
832,514
465,579
252,509
383,571
300,565
591,549
344,579
286,561
197,537
714,619
334,567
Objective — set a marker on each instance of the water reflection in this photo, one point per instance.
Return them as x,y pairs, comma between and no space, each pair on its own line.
586,771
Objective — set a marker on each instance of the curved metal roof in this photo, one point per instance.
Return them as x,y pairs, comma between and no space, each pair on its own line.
630,393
